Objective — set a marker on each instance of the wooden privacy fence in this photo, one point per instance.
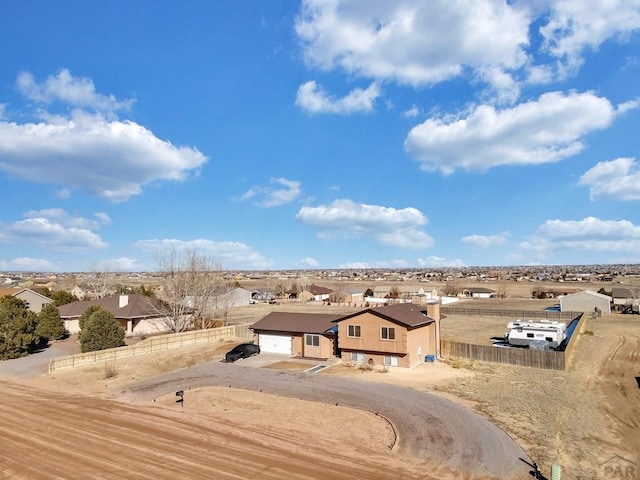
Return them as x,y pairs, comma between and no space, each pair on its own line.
514,314
550,360
547,359
154,344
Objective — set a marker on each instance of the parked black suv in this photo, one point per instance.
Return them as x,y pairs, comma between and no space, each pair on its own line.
243,350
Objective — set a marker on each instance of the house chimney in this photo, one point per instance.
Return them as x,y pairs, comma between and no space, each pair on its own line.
124,301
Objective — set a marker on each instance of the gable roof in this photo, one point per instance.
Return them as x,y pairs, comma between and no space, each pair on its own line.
137,306
318,290
404,314
479,290
589,293
296,322
14,292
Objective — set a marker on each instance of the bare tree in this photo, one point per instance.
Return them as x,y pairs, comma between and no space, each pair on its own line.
338,294
101,281
189,284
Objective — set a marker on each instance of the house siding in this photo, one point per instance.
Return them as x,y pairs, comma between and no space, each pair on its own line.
411,345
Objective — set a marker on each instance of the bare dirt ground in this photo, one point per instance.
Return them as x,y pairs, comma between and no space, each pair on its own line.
71,425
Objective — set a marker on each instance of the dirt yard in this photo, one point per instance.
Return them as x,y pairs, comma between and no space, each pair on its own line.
68,424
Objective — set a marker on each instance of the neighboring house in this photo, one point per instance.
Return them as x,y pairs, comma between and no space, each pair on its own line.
34,300
586,301
399,335
625,296
315,293
353,295
311,335
478,292
136,313
237,297
79,292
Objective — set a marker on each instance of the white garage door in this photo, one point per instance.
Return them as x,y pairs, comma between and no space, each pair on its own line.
275,343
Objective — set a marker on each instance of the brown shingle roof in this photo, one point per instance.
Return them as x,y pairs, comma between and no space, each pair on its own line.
138,306
296,322
405,314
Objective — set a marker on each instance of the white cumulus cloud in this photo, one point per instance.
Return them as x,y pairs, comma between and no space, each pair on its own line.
486,241
314,99
574,26
412,42
440,262
618,179
545,130
65,88
52,229
272,196
387,225
29,264
308,262
229,254
588,234
89,151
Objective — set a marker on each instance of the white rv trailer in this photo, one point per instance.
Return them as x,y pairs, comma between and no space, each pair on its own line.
522,333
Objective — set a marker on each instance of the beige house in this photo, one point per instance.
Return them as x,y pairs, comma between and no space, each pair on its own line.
398,335
137,314
315,293
308,335
35,301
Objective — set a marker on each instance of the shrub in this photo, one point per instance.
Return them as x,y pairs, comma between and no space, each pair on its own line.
110,369
50,325
101,330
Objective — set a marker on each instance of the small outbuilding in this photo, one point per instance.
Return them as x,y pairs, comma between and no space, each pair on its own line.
586,301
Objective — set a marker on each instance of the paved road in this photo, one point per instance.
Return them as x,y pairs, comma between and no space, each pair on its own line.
428,426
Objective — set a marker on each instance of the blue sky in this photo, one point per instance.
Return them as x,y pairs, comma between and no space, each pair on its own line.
319,134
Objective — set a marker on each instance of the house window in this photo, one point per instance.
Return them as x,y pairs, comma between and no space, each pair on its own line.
390,360
312,340
387,333
357,357
529,335
353,331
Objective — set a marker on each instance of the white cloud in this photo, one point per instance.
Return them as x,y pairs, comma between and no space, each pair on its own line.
375,264
308,262
413,112
229,254
121,264
618,179
52,229
589,234
87,151
409,41
274,197
486,241
386,225
440,262
63,218
65,88
314,99
574,26
29,265
539,131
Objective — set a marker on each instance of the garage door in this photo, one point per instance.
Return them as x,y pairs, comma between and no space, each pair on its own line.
275,343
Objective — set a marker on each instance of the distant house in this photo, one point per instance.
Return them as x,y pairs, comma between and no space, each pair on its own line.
586,301
625,296
34,300
353,295
315,293
479,292
136,313
79,292
398,335
298,334
238,297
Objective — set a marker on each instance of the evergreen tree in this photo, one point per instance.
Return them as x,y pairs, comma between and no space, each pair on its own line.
50,325
17,328
86,314
62,297
101,330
